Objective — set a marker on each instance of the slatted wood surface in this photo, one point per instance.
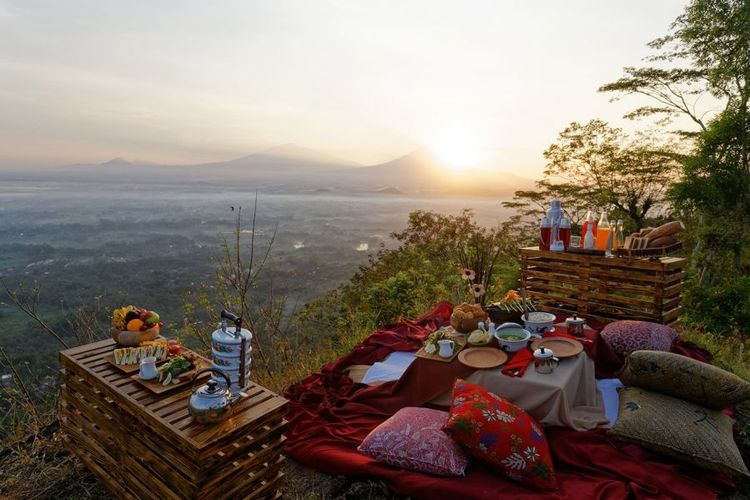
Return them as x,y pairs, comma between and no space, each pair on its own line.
604,289
146,445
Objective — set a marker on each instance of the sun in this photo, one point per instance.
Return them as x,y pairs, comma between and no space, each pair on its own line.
457,150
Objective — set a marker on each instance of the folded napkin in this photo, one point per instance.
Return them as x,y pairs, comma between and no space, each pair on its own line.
518,362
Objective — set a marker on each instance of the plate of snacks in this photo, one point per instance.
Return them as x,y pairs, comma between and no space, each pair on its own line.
479,338
128,359
430,347
176,372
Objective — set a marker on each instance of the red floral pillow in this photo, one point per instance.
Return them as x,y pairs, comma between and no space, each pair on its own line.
498,432
627,336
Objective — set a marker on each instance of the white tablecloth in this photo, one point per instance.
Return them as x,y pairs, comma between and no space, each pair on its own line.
567,397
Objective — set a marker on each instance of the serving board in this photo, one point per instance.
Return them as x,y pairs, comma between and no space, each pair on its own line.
156,387
130,368
458,339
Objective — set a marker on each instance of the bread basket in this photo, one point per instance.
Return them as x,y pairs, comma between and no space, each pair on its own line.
466,325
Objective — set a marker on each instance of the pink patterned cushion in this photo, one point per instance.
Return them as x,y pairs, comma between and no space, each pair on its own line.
413,438
627,336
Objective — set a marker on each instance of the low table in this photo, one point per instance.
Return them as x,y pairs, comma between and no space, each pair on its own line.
146,445
568,396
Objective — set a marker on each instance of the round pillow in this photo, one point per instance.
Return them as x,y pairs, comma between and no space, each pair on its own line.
627,336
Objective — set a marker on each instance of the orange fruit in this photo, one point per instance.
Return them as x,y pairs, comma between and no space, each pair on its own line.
134,325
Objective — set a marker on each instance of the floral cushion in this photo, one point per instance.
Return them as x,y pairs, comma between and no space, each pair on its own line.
627,336
498,432
413,438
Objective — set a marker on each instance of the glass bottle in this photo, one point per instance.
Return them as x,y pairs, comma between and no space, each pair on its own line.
545,234
565,232
589,217
602,231
589,240
620,235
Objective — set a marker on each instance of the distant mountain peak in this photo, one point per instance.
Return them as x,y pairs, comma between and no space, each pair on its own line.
296,153
116,161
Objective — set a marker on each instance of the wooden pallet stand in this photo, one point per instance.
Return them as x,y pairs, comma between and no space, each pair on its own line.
604,289
146,445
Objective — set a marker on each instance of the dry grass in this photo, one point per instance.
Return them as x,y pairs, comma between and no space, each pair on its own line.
40,468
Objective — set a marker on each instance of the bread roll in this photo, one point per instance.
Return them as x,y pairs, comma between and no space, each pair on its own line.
664,241
646,230
667,229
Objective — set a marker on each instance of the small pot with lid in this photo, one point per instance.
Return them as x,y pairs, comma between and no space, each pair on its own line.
575,325
545,360
212,403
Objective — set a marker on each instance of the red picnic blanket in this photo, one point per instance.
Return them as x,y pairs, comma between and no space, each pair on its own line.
329,415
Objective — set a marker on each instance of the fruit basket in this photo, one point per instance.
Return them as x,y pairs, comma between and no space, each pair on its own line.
132,325
134,339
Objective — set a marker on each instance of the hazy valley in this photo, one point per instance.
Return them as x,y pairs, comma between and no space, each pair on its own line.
146,234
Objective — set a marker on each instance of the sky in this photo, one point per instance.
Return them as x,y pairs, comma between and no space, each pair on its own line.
188,81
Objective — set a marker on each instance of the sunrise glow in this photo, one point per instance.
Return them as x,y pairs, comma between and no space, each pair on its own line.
457,150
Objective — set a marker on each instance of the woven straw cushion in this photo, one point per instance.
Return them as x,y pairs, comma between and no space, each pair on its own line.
627,336
684,430
498,432
413,438
684,378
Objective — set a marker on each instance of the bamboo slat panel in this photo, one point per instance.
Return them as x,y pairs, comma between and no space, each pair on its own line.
604,289
146,445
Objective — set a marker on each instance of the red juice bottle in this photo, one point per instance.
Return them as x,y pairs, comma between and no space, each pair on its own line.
565,232
586,225
545,234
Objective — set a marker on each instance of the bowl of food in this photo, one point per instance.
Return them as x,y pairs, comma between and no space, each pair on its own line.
512,337
479,338
466,317
538,322
510,308
131,326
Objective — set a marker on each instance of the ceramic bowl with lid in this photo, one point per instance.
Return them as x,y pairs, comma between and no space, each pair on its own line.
538,322
512,337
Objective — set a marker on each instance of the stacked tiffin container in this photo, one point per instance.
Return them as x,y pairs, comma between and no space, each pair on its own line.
230,353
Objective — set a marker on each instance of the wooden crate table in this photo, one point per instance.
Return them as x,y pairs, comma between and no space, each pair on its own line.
604,289
143,445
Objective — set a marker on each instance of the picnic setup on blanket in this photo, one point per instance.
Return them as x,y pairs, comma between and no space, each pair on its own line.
574,387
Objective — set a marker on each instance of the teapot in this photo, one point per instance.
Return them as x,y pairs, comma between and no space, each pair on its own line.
211,403
545,360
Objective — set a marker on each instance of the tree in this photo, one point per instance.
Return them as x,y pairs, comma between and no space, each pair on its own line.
708,49
596,165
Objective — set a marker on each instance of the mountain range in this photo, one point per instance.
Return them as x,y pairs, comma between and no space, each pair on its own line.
290,167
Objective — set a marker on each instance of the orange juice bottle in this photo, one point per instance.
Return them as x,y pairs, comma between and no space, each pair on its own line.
602,231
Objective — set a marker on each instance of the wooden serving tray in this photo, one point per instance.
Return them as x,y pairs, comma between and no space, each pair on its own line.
130,368
157,388
458,339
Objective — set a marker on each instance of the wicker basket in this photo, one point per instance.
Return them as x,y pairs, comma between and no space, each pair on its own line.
134,339
466,325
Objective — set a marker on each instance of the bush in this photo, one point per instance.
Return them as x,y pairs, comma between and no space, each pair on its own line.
723,307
